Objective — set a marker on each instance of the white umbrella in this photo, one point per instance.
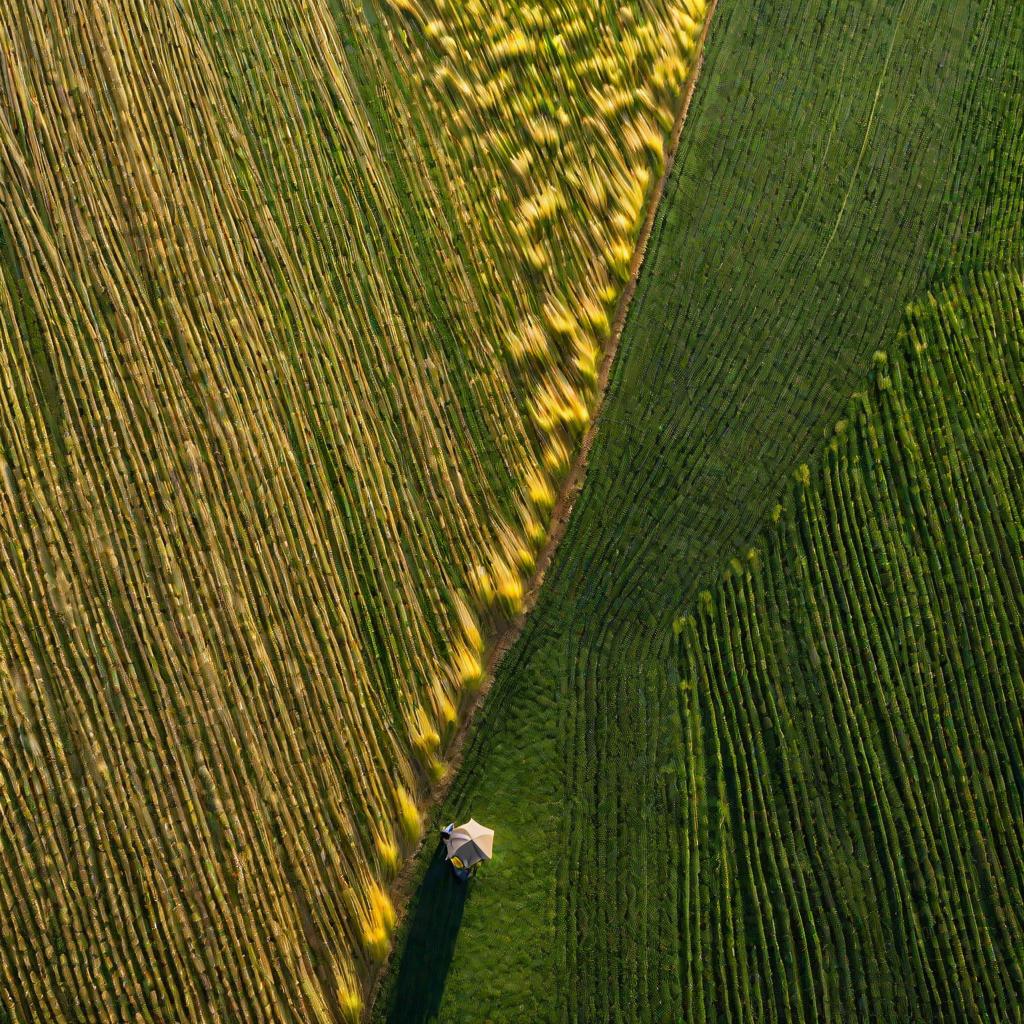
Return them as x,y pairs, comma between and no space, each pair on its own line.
471,843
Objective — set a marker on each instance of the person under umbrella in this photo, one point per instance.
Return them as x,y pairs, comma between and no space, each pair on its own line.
466,846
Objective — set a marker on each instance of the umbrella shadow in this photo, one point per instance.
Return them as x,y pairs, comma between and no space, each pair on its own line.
429,946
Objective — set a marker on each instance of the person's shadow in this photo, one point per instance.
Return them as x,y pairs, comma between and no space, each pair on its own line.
429,945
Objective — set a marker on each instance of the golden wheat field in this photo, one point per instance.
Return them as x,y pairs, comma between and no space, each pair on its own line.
302,306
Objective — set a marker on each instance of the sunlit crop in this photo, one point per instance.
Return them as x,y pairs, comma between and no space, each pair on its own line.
301,313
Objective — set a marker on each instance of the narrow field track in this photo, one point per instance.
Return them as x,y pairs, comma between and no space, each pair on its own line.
561,512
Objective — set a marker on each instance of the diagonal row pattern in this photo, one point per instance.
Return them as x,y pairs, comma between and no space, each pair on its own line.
852,702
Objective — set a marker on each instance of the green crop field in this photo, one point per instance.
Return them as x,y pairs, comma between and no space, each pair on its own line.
838,161
851,706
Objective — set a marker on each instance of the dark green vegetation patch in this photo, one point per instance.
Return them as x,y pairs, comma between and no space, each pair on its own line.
852,706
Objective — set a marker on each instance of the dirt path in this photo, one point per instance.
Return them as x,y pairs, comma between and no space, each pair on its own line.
572,485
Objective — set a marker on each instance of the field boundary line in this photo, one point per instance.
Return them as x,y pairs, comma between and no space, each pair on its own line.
400,890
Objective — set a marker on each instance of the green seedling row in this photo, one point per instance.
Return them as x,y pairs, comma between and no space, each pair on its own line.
854,691
839,160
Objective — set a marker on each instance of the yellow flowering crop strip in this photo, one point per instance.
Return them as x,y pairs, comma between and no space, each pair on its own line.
301,309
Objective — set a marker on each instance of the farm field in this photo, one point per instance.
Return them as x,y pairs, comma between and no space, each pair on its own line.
306,308
302,309
839,161
851,705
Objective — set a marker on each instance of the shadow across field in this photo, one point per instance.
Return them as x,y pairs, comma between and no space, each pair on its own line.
430,945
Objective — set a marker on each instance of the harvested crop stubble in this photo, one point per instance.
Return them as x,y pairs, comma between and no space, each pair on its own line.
289,393
852,704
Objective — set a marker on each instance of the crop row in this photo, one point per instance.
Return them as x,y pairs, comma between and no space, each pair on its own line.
852,703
